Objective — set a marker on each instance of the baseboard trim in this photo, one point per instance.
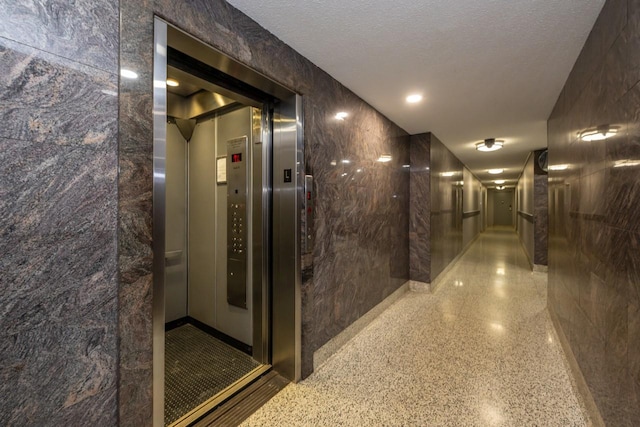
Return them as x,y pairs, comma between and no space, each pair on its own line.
325,352
578,382
440,277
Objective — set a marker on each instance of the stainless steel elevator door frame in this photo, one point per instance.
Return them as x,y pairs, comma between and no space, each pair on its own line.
280,264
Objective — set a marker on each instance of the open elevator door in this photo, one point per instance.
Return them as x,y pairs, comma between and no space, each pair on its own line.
257,209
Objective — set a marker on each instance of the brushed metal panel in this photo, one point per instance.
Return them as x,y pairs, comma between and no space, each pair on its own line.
287,198
237,224
159,171
260,221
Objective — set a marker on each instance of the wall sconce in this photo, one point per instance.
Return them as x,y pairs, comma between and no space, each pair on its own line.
489,144
599,133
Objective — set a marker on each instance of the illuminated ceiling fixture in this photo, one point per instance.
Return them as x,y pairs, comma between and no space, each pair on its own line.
406,166
384,158
128,74
489,144
558,167
495,171
599,133
448,173
345,161
500,187
341,115
499,181
414,99
173,83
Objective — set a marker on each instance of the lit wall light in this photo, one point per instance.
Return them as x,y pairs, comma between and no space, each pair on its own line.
499,181
173,83
626,163
128,74
495,171
414,98
558,167
385,158
489,144
341,115
448,173
599,133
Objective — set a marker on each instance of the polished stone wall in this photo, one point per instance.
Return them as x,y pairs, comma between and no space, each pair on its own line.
361,252
471,194
594,243
540,215
58,203
446,206
525,215
419,209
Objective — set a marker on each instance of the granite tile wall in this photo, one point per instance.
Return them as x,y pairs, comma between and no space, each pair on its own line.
446,206
594,238
540,215
525,201
471,192
362,208
58,203
420,208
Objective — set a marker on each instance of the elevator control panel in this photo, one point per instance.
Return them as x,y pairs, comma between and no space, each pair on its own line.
237,185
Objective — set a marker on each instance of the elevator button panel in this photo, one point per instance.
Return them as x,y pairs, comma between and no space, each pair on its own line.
237,182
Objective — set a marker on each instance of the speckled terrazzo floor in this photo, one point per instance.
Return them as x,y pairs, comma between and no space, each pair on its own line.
480,351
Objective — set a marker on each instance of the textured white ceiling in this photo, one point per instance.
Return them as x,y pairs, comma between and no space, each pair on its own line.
487,68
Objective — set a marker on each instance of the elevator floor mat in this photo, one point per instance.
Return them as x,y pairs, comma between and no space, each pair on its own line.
197,367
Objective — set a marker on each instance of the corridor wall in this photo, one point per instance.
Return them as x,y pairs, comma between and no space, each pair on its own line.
58,184
594,246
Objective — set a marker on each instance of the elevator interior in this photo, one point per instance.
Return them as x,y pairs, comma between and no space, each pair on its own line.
226,261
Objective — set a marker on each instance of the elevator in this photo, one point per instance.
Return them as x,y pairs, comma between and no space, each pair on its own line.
228,204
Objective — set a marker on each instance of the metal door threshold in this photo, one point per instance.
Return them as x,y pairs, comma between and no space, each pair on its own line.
242,405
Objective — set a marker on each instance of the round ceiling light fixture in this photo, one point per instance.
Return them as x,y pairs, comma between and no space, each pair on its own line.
495,171
173,83
499,181
414,98
341,115
489,144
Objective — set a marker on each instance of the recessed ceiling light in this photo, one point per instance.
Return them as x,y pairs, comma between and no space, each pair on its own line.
489,144
415,98
341,115
173,82
495,171
558,167
128,74
499,181
384,158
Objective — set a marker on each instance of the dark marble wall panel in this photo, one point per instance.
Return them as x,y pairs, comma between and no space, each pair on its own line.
420,209
135,161
471,192
594,261
446,206
58,171
541,218
362,207
525,217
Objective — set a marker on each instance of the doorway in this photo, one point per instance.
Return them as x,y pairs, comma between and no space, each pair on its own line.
503,207
226,247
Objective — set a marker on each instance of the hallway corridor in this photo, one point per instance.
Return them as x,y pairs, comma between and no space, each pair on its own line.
480,351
